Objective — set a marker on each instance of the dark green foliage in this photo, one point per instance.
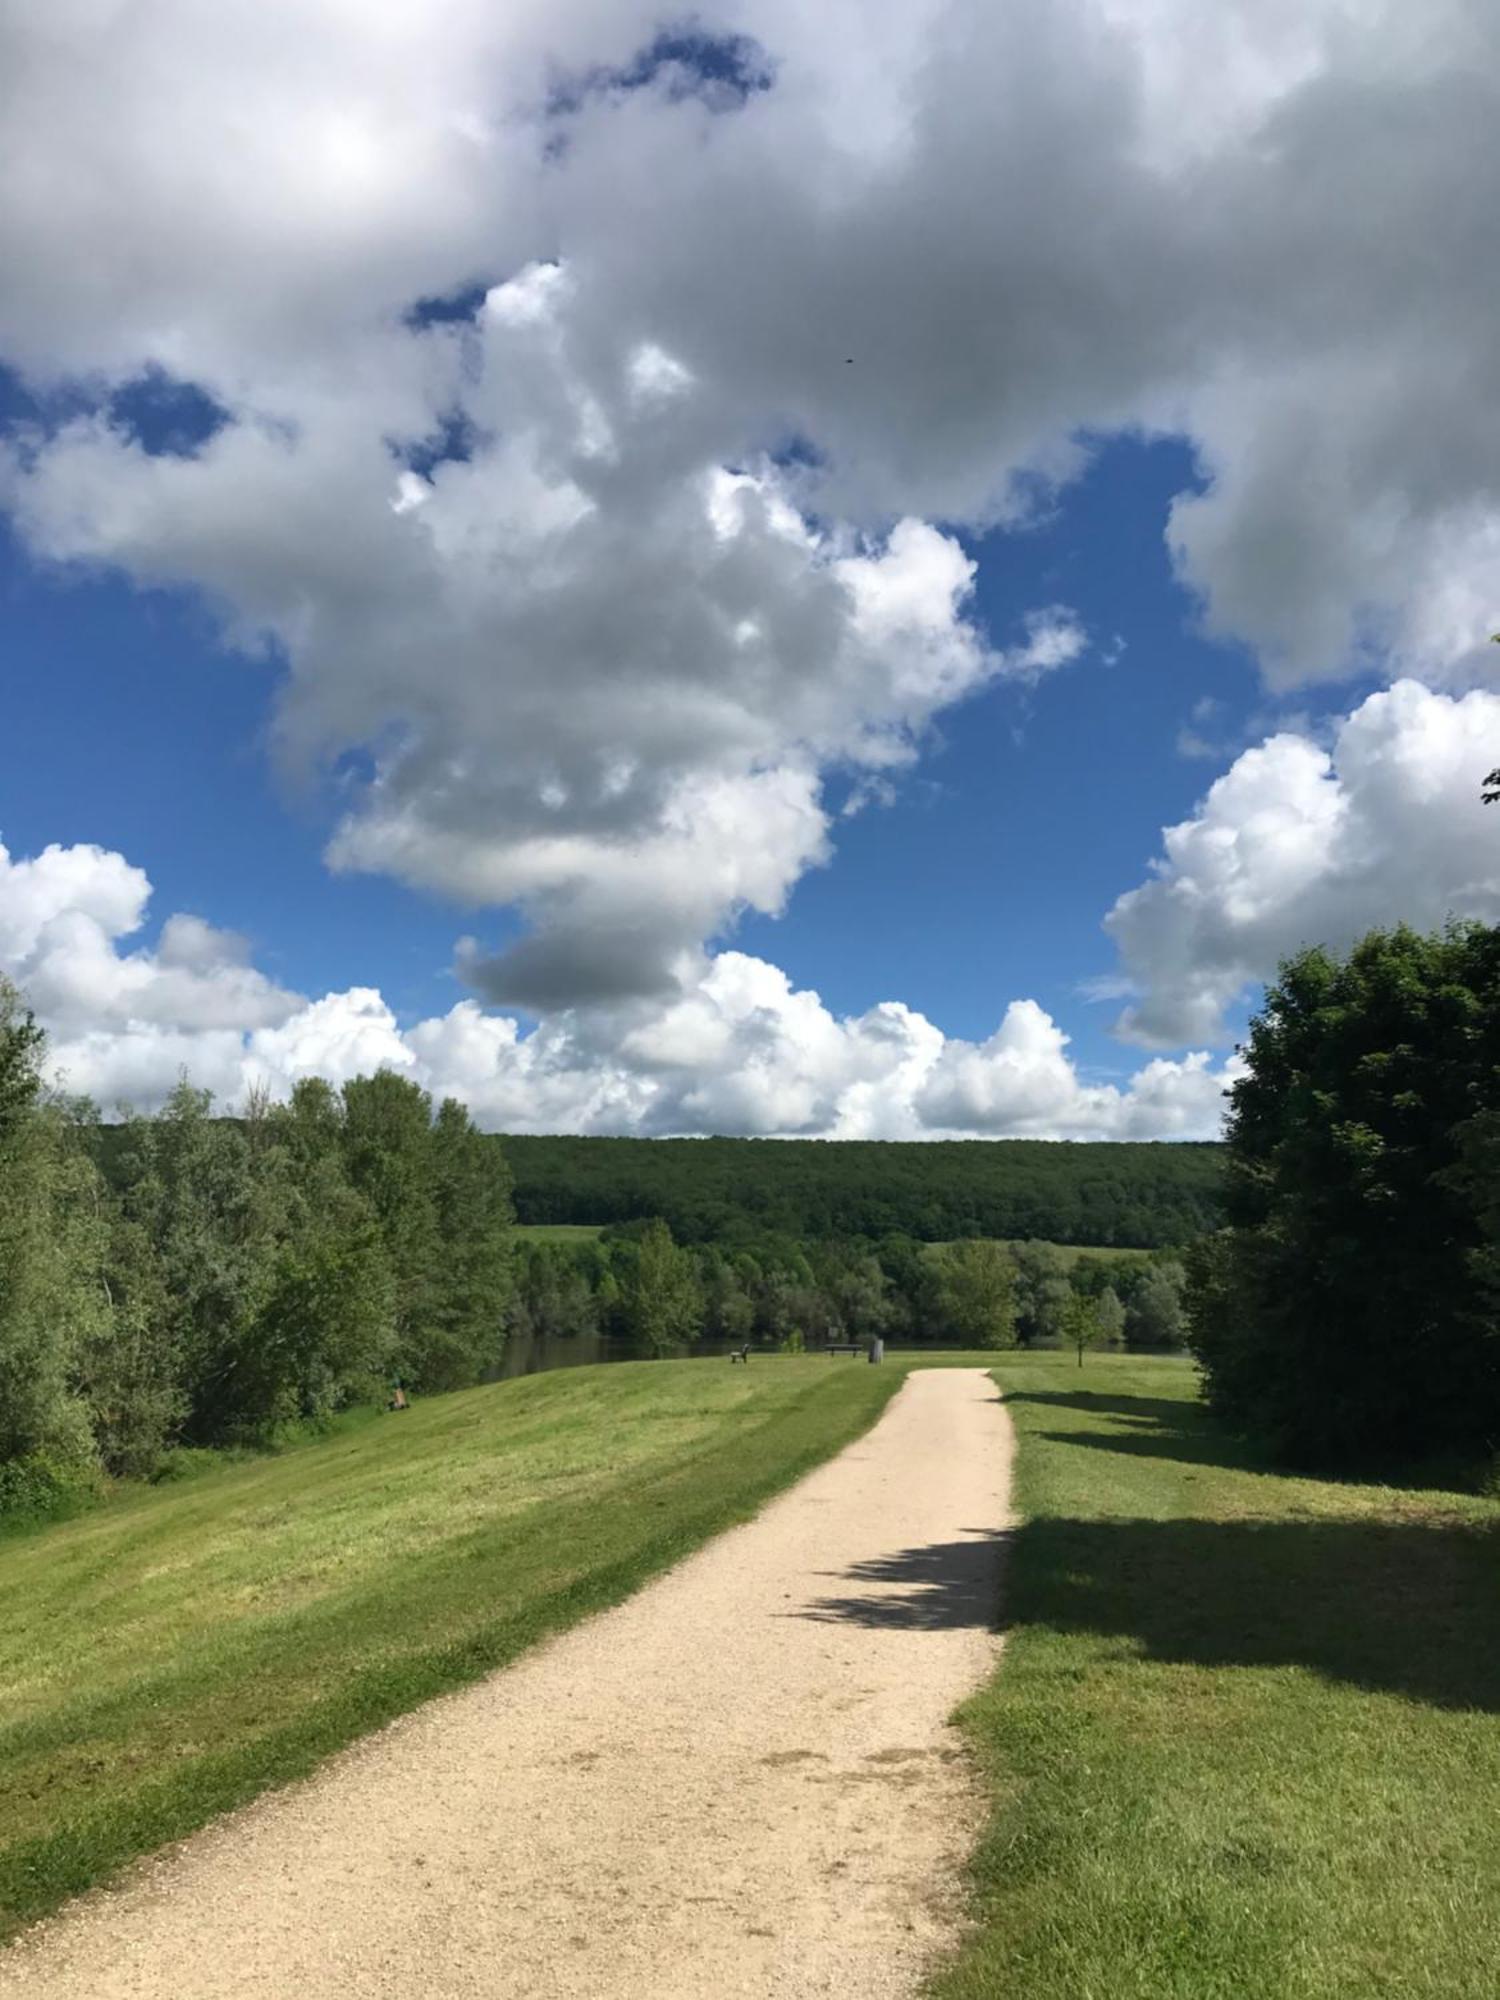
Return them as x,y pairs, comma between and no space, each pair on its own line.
743,1190
1351,1312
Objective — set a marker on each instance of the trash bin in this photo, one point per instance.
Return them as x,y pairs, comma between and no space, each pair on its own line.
877,1349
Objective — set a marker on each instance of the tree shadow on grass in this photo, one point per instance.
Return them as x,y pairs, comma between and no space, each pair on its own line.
1393,1607
1159,1427
1397,1606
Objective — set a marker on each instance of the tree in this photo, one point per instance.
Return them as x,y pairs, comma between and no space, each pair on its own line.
330,1316
1081,1329
1043,1290
855,1289
1110,1314
1350,1314
665,1306
128,1368
974,1293
553,1298
729,1311
53,1246
213,1208
472,1283
1155,1316
388,1158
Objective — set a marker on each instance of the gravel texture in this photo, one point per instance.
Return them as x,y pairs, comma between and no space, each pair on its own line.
741,1782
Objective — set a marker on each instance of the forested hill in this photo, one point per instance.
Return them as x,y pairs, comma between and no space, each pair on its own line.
712,1189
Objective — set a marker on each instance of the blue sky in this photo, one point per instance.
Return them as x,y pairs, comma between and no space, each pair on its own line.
422,646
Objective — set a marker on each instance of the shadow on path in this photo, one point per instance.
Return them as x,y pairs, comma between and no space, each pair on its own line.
1398,1606
942,1587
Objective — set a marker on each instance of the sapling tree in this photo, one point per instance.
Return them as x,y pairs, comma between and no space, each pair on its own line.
1082,1326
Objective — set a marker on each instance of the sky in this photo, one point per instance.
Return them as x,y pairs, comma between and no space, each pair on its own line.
842,572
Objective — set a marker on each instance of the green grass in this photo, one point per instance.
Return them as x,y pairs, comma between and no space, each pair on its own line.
1245,1740
1073,1252
175,1652
559,1232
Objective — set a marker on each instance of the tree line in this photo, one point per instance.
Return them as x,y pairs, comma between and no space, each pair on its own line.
636,1283
230,1276
726,1190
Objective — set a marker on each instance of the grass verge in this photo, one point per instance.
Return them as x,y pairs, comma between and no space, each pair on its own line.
1245,1741
559,1232
176,1652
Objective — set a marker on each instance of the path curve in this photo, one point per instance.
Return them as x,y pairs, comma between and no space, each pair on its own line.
740,1782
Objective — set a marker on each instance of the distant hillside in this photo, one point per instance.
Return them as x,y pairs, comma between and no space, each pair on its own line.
1139,1196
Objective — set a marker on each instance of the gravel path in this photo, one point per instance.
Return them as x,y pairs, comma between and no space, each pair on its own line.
740,1782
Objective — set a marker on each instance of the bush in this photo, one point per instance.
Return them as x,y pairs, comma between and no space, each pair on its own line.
38,1488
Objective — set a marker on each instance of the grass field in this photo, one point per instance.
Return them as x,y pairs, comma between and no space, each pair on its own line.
1072,1252
177,1651
1245,1742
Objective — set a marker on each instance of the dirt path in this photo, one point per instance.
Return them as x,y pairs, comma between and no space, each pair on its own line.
741,1782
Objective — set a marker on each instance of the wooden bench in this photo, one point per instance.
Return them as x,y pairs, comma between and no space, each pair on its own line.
845,1347
740,1354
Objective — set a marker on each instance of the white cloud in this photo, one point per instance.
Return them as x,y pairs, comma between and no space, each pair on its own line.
735,1048
1297,845
601,583
63,915
655,550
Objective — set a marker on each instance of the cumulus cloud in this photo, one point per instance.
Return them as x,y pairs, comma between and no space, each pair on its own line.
585,400
599,675
1298,844
63,914
735,1048
585,421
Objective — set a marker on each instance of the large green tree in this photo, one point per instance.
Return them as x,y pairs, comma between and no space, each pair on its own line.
664,1304
973,1294
471,1286
1352,1311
